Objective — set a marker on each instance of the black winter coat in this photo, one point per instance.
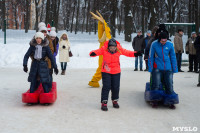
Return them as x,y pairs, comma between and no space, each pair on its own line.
139,43
197,47
39,68
148,47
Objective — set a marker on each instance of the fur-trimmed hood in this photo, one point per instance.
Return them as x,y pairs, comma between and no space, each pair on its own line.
62,35
44,43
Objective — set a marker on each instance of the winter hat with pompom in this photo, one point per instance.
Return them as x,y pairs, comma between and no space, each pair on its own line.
53,28
53,33
41,24
39,35
43,28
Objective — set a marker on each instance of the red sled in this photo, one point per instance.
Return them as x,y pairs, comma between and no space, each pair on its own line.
49,97
28,97
39,96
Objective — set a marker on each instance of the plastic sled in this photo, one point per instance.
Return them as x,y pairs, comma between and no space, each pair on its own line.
48,97
160,95
28,97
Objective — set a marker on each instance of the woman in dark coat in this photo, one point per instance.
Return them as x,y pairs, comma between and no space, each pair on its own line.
39,68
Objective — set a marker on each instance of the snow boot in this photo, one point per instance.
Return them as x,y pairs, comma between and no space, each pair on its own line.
172,106
154,104
135,69
94,84
198,85
115,104
63,72
104,106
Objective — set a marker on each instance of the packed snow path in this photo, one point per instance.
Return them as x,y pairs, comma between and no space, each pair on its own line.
77,109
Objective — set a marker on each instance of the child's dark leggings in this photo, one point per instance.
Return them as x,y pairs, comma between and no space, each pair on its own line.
63,65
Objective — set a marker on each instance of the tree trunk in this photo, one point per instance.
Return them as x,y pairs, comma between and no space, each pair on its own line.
77,17
88,13
47,11
128,21
143,17
73,17
27,21
197,15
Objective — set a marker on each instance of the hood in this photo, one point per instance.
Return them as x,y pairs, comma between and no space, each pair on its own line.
62,35
44,43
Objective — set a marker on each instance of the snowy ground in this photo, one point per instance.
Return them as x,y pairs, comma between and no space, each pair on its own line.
77,109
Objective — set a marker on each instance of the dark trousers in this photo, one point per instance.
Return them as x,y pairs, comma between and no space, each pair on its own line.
110,82
63,65
179,60
51,78
146,62
193,62
35,84
166,77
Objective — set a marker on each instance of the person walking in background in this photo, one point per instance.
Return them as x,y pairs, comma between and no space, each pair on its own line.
146,40
64,47
139,45
197,46
178,45
190,49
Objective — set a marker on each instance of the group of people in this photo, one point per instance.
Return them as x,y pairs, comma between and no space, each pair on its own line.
161,56
43,50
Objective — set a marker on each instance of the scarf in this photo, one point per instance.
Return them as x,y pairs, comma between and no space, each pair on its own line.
38,52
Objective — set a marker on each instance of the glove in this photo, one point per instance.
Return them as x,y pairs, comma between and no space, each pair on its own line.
50,71
56,71
93,54
137,54
187,52
63,47
25,68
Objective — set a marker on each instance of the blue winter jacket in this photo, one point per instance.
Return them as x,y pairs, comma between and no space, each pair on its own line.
162,57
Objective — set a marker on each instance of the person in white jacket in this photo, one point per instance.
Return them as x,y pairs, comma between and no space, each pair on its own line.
64,47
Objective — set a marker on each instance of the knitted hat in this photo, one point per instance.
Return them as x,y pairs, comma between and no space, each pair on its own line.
53,28
52,33
39,35
112,42
193,33
148,32
139,30
41,24
163,35
43,28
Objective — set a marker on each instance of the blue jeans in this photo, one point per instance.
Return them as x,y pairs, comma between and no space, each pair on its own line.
179,60
136,62
63,65
110,82
167,79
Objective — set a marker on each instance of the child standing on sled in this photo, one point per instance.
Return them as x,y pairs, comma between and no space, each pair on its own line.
162,64
111,71
39,68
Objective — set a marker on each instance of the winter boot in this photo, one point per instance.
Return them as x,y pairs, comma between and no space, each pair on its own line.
135,69
94,84
104,106
63,72
115,104
198,85
154,104
171,106
141,69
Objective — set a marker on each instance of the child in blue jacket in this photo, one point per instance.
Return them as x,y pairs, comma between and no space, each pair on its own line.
162,64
